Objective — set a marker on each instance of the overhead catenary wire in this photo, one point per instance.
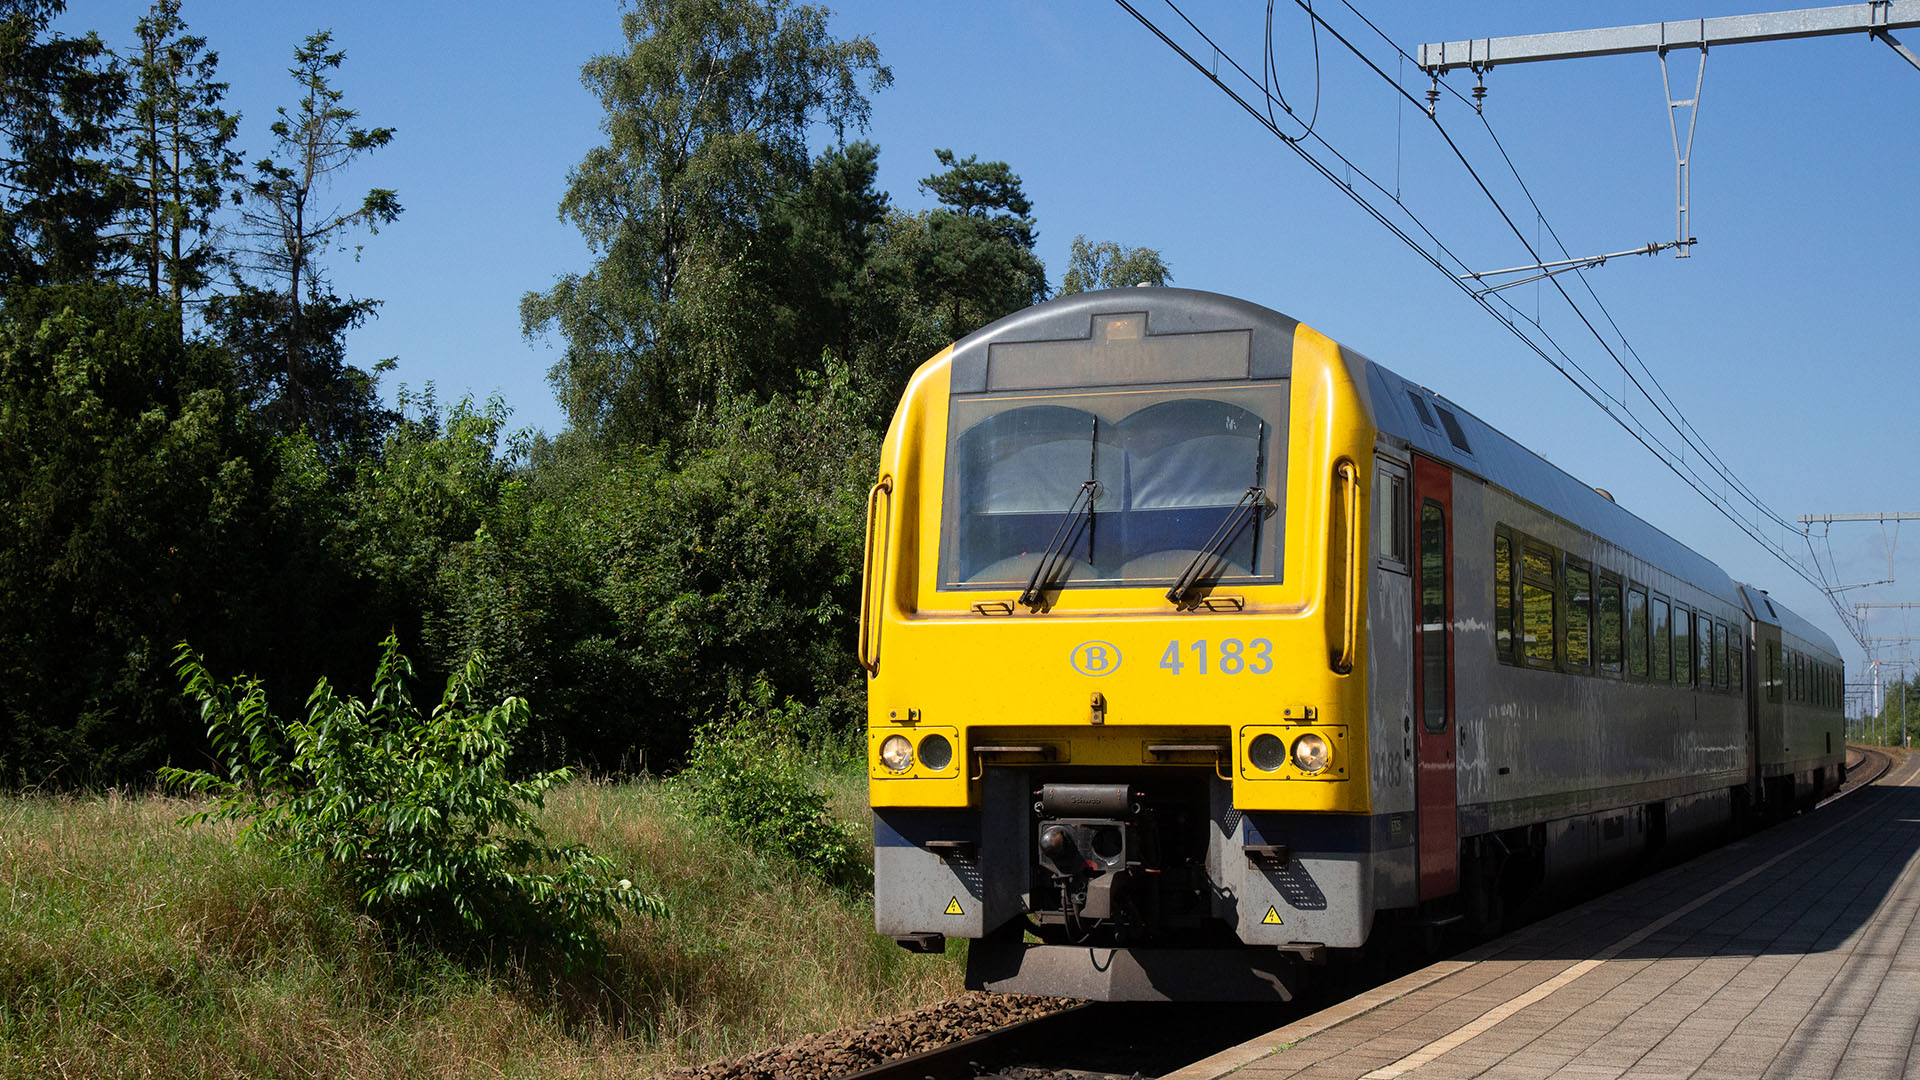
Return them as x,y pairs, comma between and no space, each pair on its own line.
1707,450
1584,381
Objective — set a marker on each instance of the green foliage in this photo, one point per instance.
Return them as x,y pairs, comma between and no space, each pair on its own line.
180,157
287,337
133,494
708,111
1108,265
750,770
58,187
628,591
943,273
415,812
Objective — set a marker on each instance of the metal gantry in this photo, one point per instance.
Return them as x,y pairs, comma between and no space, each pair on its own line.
1885,518
1877,19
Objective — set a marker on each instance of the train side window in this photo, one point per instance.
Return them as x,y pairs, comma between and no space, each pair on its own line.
1773,672
1637,632
1503,597
1390,516
1608,618
1737,646
1704,650
1537,596
1662,640
1720,677
1579,615
1682,646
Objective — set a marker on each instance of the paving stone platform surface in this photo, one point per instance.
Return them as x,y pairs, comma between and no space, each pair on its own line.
1792,953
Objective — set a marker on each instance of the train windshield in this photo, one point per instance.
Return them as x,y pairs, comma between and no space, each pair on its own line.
1168,466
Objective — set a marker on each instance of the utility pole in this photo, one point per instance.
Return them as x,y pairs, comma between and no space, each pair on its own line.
1877,19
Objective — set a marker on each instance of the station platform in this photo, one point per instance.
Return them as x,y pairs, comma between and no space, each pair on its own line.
1794,952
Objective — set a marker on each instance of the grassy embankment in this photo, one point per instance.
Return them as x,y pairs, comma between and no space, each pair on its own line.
130,945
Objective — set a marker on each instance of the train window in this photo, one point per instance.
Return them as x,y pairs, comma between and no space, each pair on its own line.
1170,468
1637,632
1454,435
1682,646
1737,646
1503,597
1420,406
1773,672
1390,515
1537,596
1662,628
1799,677
1608,620
1579,615
1704,650
1720,676
1433,617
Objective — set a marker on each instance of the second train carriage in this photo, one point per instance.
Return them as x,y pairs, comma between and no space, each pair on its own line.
1197,641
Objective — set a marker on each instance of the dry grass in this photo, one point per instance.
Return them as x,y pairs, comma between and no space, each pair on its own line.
132,946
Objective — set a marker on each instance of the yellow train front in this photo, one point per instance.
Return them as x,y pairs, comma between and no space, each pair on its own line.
1163,700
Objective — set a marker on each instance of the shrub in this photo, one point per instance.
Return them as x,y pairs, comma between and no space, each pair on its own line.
415,813
750,770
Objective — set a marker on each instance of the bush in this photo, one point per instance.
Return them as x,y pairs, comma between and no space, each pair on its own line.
750,770
415,813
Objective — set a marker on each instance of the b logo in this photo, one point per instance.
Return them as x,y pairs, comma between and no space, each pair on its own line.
1096,658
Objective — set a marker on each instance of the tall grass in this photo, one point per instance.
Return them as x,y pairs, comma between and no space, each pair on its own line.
130,945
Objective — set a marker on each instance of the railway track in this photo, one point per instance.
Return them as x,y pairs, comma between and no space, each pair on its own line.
1094,1041
1865,764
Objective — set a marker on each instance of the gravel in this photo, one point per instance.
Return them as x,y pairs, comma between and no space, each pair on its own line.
831,1054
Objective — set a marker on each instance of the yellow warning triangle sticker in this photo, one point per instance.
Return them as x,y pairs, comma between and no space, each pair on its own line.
953,907
1273,917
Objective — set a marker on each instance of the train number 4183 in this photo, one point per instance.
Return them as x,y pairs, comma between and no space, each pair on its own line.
1228,656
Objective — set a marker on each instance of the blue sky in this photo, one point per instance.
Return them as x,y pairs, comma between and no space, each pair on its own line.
1787,340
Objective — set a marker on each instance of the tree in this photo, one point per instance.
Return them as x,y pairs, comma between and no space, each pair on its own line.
290,223
334,402
59,190
1108,265
946,272
133,491
811,262
180,157
707,116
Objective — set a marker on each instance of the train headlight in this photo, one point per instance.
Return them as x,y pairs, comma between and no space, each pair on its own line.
1310,753
896,753
1266,752
936,753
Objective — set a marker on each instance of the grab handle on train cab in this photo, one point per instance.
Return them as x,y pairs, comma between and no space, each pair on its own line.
1350,570
879,536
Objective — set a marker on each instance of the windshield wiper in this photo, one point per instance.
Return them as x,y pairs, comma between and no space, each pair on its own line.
1064,535
1246,510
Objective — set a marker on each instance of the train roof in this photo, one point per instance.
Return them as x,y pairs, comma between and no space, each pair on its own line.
1766,609
1430,423
1439,428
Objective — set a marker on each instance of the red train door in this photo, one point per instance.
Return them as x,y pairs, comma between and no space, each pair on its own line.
1439,831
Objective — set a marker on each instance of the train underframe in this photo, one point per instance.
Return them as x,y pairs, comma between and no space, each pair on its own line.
1147,884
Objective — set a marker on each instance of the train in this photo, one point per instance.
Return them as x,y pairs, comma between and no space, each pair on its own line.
1200,648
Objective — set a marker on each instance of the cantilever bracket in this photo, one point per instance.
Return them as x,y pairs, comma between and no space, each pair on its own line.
1683,156
1894,44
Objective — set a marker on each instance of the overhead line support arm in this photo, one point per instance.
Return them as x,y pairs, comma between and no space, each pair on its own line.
1876,19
